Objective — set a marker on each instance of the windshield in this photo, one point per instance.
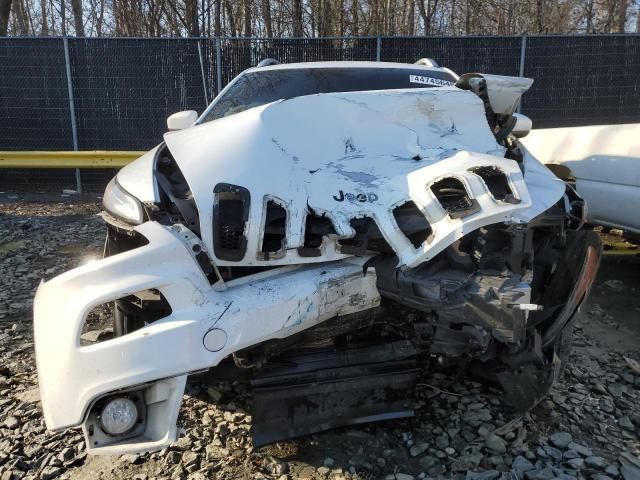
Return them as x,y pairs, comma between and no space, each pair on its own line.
260,87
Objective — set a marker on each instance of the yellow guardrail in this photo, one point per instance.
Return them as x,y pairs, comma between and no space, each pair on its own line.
87,159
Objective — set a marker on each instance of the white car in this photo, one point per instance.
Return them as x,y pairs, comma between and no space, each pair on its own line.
603,161
323,228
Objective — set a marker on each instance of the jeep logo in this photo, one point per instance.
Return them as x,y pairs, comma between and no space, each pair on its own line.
355,197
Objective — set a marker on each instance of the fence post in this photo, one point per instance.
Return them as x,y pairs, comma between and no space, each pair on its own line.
204,81
219,64
378,47
72,109
523,48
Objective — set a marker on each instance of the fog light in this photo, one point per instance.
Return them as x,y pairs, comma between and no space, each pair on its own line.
118,416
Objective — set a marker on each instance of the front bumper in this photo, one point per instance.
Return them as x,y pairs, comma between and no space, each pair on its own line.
205,326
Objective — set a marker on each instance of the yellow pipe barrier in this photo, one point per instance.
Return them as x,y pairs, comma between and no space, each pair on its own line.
86,159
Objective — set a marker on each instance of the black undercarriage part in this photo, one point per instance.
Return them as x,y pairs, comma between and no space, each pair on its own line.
312,391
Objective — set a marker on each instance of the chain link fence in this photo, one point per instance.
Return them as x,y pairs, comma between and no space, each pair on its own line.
115,93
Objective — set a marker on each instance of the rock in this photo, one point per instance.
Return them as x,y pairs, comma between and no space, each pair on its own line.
11,422
569,454
560,439
625,422
214,394
50,472
629,466
442,441
581,449
172,457
487,475
67,454
495,443
94,336
404,476
130,458
183,444
428,461
540,474
482,415
418,449
521,465
575,463
275,467
189,458
596,462
551,452
612,470
328,462
29,396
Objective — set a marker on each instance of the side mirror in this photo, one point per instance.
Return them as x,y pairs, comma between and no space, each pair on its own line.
182,120
523,126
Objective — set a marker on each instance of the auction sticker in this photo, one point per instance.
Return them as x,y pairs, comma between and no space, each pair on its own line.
437,82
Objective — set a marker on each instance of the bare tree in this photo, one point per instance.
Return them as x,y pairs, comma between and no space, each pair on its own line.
191,18
427,13
78,22
5,12
266,17
297,18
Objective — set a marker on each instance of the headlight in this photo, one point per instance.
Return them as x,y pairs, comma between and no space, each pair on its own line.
120,203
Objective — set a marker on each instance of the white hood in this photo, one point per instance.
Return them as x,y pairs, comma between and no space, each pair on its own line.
382,146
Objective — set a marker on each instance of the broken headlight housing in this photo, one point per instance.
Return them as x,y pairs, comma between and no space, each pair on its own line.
120,203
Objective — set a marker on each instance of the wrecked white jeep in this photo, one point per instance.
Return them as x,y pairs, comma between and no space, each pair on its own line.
322,229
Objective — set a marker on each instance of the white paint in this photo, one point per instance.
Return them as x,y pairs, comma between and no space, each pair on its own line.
215,340
137,177
182,120
522,127
306,150
505,92
605,160
274,305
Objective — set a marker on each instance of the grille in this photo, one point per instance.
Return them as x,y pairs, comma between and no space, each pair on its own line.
454,198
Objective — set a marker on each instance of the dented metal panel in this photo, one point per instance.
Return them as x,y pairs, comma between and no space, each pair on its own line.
351,155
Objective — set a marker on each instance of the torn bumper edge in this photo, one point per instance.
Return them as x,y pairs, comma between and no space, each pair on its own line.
72,377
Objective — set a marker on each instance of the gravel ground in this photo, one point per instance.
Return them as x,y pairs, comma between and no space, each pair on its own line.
588,428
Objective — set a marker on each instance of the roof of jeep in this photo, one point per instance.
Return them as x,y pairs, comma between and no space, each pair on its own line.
343,64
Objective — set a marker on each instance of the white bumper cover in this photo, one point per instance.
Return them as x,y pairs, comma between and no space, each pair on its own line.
158,357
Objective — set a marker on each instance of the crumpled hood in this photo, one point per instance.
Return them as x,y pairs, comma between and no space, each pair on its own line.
345,155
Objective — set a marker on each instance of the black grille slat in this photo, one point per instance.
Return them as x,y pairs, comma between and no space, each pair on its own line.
454,198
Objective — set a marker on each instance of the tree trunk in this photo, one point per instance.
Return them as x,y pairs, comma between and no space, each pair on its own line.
5,11
623,8
589,28
539,16
412,18
297,18
354,18
217,23
246,11
266,17
76,6
191,18
232,24
44,26
427,14
19,10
